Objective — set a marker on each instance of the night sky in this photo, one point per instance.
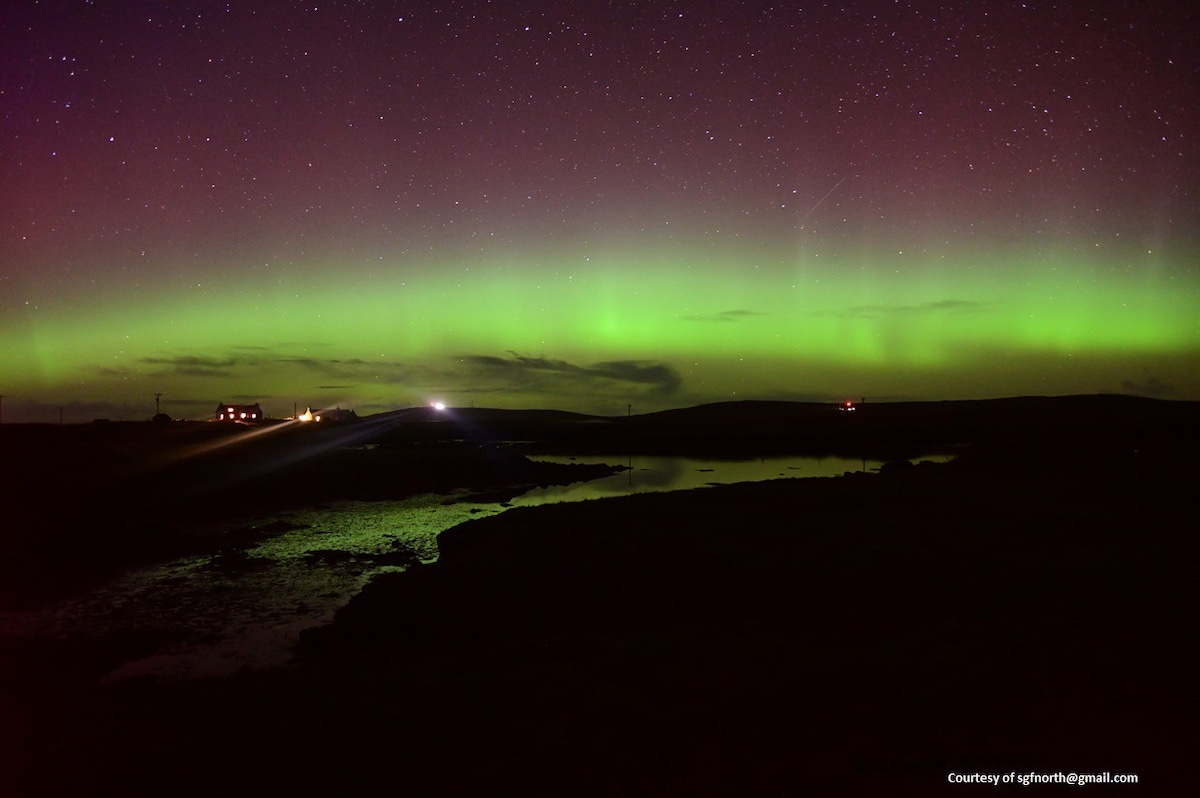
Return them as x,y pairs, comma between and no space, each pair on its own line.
588,205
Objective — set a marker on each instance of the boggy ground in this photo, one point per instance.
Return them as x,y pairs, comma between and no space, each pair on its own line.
1029,607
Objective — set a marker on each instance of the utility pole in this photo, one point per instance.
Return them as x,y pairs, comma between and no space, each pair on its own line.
629,410
157,396
1,408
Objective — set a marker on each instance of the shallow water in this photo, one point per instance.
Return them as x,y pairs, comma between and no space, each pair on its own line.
246,605
650,474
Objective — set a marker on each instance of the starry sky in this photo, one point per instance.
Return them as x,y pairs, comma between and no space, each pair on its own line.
591,205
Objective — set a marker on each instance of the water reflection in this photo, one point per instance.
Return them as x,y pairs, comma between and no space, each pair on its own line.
245,605
647,474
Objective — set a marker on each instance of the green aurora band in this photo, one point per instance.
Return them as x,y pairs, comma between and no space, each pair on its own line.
525,327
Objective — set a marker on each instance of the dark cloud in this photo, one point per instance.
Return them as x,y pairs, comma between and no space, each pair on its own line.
543,373
349,371
659,375
191,366
725,316
346,371
306,362
490,361
876,311
1150,386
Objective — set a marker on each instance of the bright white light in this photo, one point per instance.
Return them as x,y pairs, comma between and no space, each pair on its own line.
438,405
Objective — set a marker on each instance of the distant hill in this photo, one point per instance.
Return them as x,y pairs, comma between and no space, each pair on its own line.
886,428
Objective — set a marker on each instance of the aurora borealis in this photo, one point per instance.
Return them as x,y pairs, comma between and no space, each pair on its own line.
588,205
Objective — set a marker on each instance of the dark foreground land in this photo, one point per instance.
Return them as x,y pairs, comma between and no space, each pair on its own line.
1029,607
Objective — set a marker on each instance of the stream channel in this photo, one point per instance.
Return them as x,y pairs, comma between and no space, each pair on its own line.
245,606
